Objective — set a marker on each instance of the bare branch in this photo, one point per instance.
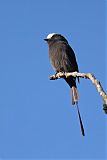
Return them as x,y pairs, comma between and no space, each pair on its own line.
87,76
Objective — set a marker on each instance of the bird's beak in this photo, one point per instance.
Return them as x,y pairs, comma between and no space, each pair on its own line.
45,39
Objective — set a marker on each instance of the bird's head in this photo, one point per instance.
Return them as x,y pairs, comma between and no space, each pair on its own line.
54,37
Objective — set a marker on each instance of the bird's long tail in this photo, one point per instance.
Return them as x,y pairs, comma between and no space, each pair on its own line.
74,93
80,120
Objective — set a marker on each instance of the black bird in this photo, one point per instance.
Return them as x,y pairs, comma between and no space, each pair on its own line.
63,59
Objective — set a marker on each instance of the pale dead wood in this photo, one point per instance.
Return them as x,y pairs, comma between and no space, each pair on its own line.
87,76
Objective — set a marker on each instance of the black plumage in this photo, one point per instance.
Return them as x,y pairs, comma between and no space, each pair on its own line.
63,59
61,54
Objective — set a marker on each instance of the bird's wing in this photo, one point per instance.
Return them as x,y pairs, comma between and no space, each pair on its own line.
68,59
72,58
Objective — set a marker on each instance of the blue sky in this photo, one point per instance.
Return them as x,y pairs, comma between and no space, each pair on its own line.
37,119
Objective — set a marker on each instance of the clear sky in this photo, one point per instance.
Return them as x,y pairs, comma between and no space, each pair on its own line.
37,119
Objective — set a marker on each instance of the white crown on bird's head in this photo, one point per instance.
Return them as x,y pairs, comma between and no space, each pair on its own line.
50,35
57,36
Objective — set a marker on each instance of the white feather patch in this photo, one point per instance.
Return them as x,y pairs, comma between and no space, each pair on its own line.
50,35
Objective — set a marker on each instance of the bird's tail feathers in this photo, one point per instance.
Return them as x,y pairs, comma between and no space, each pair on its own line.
74,93
80,120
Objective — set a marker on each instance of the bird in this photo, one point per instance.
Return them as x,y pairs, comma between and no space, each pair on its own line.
63,59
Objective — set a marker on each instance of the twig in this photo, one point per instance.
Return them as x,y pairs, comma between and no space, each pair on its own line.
87,76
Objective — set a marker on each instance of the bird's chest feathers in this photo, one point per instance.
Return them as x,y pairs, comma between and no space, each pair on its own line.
57,57
56,51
